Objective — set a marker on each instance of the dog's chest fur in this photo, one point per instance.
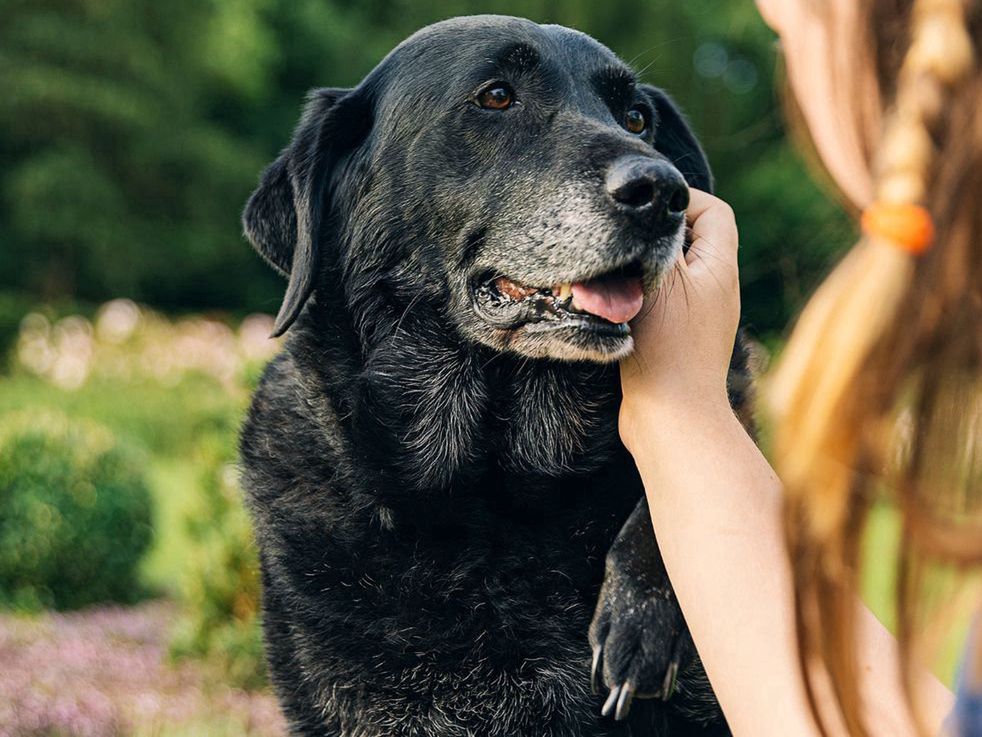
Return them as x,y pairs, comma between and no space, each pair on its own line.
433,523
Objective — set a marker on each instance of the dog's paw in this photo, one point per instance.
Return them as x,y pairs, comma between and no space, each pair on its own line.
640,643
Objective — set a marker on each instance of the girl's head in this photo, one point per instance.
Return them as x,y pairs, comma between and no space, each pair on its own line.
879,391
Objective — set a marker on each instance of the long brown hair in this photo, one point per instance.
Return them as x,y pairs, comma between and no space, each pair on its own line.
879,391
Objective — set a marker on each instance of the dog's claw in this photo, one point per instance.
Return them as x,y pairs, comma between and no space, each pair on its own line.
671,677
624,701
611,701
641,646
595,670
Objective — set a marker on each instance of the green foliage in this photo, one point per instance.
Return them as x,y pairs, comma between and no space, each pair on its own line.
13,307
75,513
186,415
118,176
220,587
132,132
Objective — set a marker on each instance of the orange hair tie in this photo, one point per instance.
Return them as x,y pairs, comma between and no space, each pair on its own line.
909,227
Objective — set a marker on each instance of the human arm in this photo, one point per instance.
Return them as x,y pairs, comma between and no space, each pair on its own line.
716,506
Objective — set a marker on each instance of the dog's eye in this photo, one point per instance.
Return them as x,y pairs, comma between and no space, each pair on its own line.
635,121
496,97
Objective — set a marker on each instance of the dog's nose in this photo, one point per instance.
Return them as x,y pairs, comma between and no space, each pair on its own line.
648,187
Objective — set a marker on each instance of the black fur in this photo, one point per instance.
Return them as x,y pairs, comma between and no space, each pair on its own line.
434,490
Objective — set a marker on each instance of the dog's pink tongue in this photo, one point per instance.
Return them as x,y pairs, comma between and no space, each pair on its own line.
617,300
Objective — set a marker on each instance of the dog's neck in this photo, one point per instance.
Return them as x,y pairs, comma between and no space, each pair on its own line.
443,412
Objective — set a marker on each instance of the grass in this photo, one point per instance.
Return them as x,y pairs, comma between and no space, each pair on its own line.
166,420
174,483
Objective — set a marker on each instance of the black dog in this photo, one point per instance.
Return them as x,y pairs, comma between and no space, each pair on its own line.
433,462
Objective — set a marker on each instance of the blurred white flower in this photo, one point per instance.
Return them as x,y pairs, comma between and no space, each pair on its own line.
129,343
117,320
34,349
73,343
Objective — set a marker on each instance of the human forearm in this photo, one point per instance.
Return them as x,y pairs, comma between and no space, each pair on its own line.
716,510
714,505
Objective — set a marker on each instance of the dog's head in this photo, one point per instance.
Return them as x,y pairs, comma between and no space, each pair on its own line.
515,175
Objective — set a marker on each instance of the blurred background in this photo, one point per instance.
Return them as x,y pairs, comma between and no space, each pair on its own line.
133,315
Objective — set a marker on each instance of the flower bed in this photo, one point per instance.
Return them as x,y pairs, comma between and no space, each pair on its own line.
105,672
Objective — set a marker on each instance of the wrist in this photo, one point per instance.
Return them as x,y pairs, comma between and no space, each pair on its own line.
647,416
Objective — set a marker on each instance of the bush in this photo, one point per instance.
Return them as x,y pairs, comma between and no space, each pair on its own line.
75,513
220,590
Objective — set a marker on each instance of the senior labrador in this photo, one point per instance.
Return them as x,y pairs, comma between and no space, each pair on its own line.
432,462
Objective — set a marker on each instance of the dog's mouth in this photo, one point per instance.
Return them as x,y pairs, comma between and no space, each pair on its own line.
603,303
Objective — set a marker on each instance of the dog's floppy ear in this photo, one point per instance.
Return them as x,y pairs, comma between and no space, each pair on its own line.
284,215
675,139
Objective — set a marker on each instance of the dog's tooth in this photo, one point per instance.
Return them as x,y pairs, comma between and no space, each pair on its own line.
565,290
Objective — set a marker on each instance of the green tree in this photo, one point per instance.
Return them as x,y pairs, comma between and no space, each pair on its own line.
132,131
125,166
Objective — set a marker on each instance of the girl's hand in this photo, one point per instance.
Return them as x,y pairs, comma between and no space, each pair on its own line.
684,339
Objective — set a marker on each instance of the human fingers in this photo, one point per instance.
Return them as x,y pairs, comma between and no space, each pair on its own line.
714,230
